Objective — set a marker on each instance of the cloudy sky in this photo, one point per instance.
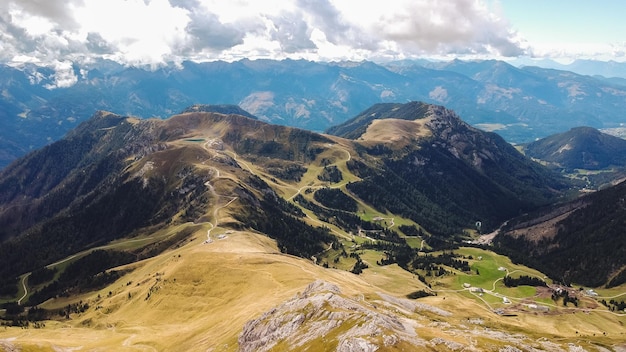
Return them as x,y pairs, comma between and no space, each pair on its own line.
56,32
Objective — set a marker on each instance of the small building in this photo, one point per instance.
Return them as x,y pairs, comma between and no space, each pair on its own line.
538,308
466,285
477,290
506,300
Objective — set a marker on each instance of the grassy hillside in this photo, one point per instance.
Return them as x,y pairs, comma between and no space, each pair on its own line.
199,296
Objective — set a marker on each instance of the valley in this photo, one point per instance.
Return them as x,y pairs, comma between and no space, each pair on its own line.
217,271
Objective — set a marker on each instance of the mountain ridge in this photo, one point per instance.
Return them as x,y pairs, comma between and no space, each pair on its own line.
117,158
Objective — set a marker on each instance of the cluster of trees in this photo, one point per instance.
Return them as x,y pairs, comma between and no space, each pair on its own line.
41,275
556,294
12,309
419,294
409,259
334,198
287,171
617,279
23,323
346,220
280,220
330,174
74,308
393,194
359,265
395,253
614,305
430,262
444,197
440,243
14,316
8,286
523,280
411,230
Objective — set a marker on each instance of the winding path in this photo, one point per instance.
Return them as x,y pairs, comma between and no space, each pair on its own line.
19,301
217,209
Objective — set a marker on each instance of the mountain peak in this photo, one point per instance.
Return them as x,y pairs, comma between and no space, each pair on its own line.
391,122
580,148
356,127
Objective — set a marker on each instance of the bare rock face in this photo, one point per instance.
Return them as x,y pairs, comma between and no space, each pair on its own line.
321,317
460,139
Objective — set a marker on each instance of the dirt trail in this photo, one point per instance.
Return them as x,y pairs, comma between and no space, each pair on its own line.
19,301
217,209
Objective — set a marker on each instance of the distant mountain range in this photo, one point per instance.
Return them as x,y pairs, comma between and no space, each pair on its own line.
38,105
606,69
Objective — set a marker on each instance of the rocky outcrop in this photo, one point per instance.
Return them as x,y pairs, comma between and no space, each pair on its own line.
322,317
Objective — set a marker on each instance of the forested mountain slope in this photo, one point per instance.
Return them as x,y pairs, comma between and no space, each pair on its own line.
427,153
581,241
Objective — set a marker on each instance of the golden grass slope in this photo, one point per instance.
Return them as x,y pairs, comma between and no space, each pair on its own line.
396,132
196,297
199,297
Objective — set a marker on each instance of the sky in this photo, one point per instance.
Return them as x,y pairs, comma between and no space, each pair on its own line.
153,32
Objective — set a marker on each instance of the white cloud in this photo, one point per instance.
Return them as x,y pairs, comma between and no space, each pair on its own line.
64,75
156,31
568,52
33,25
